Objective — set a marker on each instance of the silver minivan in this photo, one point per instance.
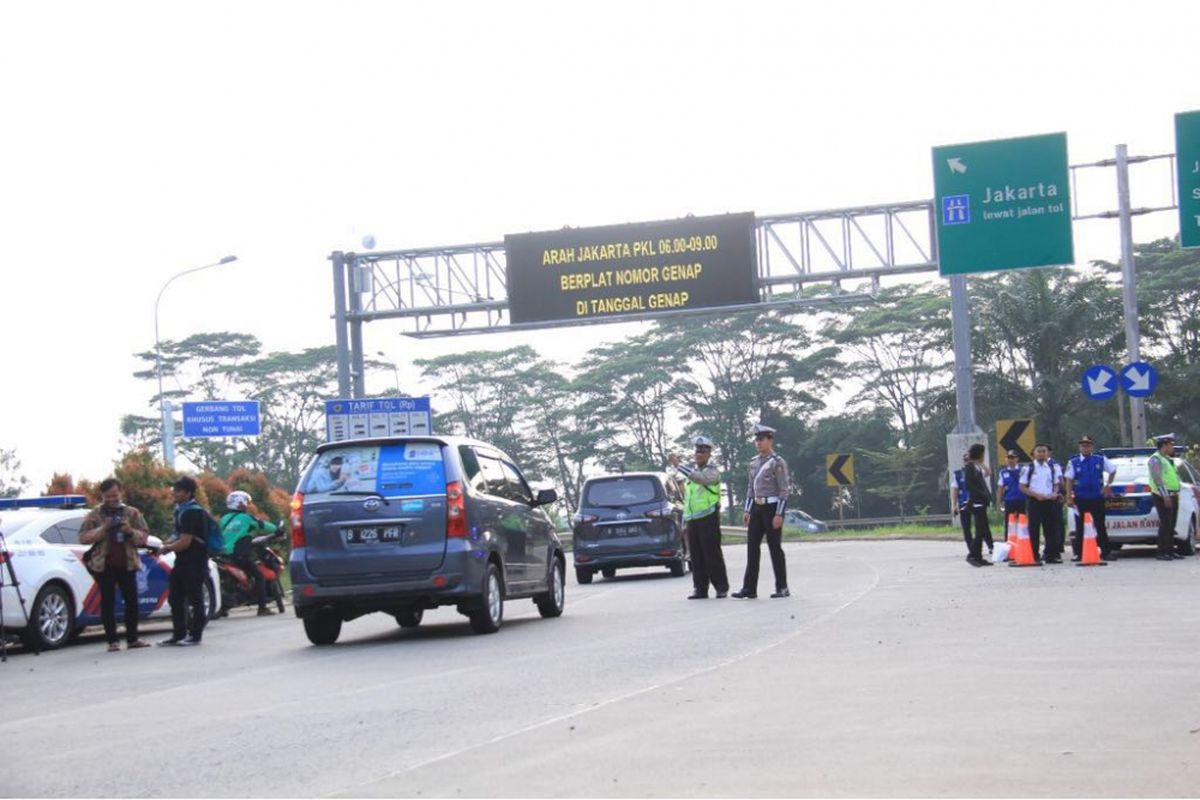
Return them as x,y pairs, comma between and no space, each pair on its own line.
405,524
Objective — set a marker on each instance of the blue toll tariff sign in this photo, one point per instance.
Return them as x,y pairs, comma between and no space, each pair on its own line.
221,418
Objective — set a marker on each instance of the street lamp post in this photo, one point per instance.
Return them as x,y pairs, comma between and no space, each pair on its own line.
395,369
164,407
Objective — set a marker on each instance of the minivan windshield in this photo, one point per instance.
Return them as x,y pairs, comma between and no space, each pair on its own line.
402,469
619,492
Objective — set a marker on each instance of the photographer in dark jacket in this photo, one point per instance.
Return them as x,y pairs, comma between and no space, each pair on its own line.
979,500
191,565
115,532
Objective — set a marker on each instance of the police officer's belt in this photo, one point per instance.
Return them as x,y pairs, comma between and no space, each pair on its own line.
762,501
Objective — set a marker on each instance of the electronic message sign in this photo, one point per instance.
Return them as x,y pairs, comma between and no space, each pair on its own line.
636,269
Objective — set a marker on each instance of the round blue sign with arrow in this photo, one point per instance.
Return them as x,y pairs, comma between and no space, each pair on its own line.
1099,382
1139,379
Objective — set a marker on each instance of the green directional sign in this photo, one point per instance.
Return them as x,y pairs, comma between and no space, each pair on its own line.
1003,204
1187,163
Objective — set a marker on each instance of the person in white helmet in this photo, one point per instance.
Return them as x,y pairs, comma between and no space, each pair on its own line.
240,527
701,515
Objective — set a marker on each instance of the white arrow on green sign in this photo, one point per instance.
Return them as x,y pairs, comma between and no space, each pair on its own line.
1003,204
1187,164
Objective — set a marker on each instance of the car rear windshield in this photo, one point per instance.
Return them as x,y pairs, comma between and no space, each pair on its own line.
402,469
619,492
1131,471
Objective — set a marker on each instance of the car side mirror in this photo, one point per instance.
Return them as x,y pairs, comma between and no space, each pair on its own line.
545,497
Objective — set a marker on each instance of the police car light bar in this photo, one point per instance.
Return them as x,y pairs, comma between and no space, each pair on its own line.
54,501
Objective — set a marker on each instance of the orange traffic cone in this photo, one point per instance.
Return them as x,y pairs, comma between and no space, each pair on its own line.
1024,546
1091,552
1012,536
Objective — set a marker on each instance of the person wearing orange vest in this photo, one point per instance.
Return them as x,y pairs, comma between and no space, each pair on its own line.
1164,487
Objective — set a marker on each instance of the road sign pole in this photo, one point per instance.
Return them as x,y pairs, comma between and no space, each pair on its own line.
960,318
339,315
168,426
1137,418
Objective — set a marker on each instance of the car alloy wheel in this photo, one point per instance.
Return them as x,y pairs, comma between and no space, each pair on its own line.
551,603
52,618
488,616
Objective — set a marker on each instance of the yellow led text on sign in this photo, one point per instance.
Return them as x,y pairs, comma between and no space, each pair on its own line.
640,268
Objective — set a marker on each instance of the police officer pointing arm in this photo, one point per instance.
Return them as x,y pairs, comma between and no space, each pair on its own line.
767,490
702,518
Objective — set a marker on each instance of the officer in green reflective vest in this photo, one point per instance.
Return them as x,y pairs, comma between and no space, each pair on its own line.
1164,487
702,517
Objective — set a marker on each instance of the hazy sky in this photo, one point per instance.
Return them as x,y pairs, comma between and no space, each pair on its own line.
141,139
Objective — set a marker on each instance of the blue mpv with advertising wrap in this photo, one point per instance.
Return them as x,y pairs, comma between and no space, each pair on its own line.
405,524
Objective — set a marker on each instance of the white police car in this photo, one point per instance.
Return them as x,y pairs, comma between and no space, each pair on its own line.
41,538
1130,515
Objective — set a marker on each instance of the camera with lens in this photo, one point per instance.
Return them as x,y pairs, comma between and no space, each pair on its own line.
115,520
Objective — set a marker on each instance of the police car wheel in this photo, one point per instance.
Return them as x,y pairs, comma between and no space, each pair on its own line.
1187,546
51,619
210,604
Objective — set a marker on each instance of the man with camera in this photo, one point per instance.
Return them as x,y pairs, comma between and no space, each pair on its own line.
115,532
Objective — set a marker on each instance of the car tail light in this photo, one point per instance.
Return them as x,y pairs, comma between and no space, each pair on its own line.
296,519
456,511
665,511
577,519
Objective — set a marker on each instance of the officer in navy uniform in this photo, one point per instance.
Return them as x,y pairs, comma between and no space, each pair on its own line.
766,497
960,498
1009,498
1088,478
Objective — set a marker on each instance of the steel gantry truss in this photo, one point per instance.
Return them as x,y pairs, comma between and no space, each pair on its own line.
805,259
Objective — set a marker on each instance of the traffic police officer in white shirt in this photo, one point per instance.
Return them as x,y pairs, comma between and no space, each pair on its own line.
766,497
1040,484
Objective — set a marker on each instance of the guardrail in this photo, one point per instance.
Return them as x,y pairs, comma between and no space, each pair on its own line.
948,520
879,522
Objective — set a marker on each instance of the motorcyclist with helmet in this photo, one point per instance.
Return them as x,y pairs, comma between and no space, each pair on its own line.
240,527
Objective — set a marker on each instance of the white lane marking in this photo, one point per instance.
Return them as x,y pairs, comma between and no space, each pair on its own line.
635,693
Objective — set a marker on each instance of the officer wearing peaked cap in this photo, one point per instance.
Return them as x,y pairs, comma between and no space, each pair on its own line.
1008,490
1164,489
766,497
1088,478
702,518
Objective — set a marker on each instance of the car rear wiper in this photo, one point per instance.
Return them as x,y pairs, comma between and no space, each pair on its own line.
386,502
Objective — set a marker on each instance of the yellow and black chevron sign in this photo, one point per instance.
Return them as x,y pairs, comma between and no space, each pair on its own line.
1016,434
839,469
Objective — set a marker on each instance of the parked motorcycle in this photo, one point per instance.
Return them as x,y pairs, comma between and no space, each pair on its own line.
237,588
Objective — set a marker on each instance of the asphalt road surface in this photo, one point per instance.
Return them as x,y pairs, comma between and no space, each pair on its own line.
894,669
